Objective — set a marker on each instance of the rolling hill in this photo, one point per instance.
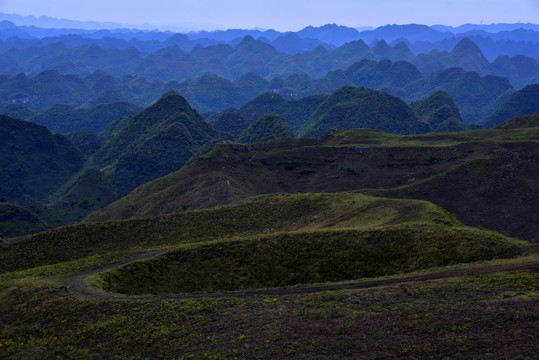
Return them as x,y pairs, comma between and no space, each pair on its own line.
448,169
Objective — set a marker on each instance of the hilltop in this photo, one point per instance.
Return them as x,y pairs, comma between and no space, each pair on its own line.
266,128
520,122
153,143
440,112
273,242
351,107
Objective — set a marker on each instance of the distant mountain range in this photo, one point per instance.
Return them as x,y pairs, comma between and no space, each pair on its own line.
494,40
249,55
103,96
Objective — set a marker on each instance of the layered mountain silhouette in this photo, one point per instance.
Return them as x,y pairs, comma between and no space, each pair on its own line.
247,54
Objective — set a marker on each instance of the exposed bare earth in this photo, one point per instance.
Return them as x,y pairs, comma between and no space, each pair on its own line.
75,284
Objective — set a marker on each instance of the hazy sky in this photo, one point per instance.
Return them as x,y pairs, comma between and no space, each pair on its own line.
280,14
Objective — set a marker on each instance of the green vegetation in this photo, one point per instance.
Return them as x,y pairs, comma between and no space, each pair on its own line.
343,236
440,112
269,215
90,191
352,107
520,103
307,257
231,122
153,143
34,161
295,111
17,221
262,104
476,96
206,72
18,111
87,142
266,128
520,122
288,248
449,169
65,119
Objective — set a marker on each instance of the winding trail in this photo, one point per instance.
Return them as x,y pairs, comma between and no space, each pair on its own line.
75,284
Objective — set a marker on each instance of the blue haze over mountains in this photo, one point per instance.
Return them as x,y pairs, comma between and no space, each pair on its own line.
494,40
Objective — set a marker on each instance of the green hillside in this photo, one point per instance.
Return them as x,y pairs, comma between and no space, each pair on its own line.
520,122
153,143
34,161
273,242
89,192
257,194
363,159
266,128
297,212
18,111
231,121
520,103
265,103
476,96
295,112
86,141
306,257
17,221
440,112
467,55
352,107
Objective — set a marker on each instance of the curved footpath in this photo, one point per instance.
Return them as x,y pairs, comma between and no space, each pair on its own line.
75,284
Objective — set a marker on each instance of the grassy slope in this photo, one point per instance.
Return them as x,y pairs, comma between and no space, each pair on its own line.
439,167
520,122
308,257
270,215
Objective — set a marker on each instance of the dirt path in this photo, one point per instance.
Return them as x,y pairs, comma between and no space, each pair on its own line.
75,284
